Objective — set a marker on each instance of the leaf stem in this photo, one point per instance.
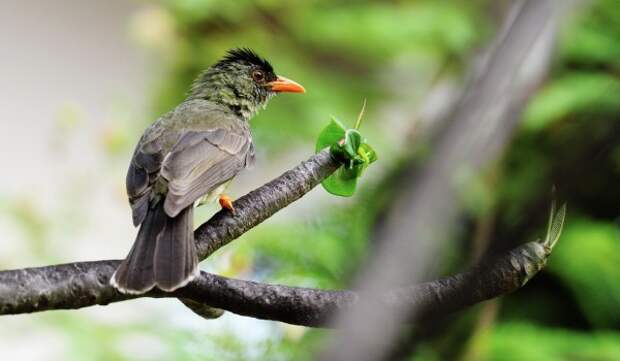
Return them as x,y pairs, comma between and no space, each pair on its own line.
358,123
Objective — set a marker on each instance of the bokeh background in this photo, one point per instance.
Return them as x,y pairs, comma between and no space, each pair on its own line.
81,79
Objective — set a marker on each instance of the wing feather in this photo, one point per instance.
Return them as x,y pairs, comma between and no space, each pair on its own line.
191,150
142,173
199,162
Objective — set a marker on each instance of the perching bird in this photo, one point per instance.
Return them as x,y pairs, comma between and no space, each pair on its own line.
191,152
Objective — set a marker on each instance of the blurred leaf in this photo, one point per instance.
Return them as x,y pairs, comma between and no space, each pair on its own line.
572,94
586,260
520,341
593,39
475,191
337,238
422,26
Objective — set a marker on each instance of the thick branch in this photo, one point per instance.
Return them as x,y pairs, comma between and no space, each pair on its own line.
82,284
301,306
312,307
85,284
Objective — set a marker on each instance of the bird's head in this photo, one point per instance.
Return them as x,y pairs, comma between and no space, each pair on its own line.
243,81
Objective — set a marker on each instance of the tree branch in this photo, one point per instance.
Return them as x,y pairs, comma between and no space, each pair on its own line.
260,204
77,285
313,307
421,218
85,284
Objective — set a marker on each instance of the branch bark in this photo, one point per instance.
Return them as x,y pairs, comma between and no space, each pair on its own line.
77,285
83,284
314,308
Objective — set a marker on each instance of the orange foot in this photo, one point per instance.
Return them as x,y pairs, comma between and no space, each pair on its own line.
227,203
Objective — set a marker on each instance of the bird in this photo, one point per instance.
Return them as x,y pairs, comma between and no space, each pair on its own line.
189,155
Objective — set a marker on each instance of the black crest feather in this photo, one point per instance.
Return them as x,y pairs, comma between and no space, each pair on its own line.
245,55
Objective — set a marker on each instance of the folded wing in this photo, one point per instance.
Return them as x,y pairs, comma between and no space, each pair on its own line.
201,161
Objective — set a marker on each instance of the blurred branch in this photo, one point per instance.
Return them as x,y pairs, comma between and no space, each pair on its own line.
424,213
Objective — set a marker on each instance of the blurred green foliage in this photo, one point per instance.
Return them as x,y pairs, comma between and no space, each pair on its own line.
342,52
598,300
394,53
521,341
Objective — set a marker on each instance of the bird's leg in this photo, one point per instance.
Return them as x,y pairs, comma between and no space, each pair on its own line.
227,203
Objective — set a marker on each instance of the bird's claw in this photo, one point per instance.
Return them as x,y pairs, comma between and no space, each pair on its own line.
227,203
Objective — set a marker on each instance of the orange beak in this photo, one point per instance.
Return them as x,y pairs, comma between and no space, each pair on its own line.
282,85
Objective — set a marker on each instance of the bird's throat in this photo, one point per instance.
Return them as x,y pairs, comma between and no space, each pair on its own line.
243,104
242,107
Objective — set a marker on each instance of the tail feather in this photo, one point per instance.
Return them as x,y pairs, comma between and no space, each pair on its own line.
163,254
175,254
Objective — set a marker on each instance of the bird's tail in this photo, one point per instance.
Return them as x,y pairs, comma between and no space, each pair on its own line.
163,255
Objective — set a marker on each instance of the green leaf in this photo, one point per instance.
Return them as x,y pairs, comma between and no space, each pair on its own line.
341,183
586,264
578,93
351,149
352,141
331,134
367,153
358,169
351,172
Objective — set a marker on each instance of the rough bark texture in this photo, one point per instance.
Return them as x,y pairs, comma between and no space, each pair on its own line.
314,308
84,284
262,203
77,285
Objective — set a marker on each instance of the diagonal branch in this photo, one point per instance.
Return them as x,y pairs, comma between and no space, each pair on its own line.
260,204
85,284
421,219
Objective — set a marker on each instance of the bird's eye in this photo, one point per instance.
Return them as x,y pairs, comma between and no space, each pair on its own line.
258,76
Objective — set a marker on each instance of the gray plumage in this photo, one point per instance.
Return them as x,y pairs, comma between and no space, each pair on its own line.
186,154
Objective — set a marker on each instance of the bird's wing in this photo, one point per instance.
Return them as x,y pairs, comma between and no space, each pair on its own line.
193,149
142,174
200,161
